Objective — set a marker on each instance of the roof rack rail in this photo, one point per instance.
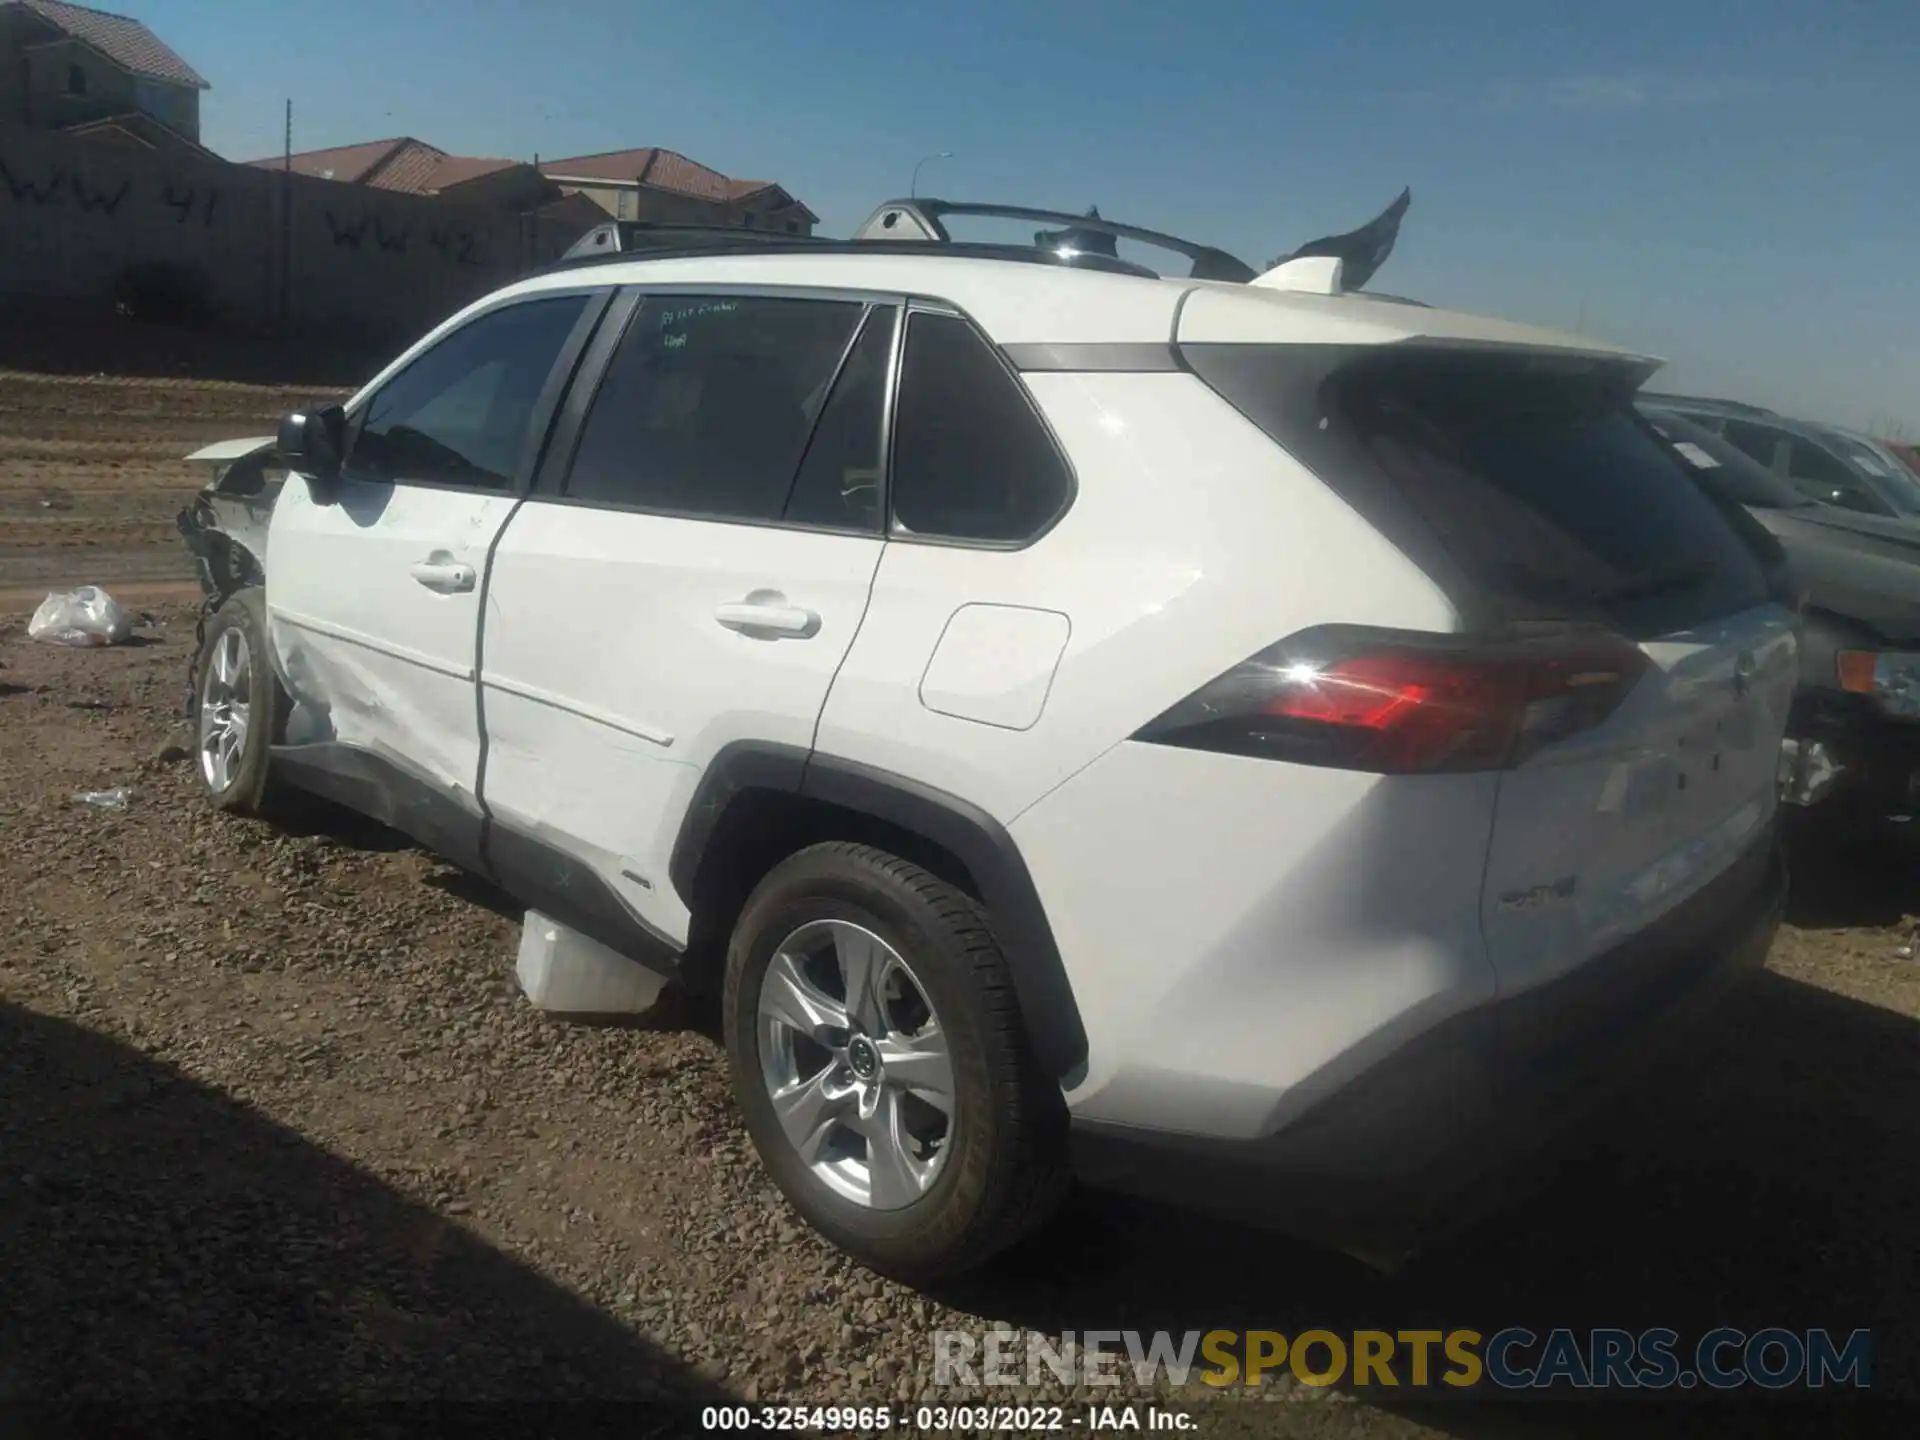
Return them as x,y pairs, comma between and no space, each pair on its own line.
624,237
634,240
1085,241
920,220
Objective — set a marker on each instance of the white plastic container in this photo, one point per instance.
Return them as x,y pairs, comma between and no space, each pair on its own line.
563,971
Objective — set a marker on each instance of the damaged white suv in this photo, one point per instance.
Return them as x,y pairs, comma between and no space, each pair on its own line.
1058,708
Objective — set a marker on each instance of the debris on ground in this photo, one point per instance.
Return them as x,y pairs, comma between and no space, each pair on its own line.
104,799
80,619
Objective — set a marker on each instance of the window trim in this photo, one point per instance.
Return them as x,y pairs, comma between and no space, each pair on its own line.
550,488
566,368
898,535
867,312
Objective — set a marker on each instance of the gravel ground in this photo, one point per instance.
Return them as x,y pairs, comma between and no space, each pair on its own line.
275,1123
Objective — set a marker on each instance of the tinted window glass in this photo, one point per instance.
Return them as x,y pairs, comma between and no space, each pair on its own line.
1762,442
1806,461
1549,492
459,414
1729,470
839,481
971,460
708,403
1887,471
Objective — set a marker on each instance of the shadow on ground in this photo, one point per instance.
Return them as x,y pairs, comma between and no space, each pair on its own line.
1765,1179
166,1244
310,817
1851,877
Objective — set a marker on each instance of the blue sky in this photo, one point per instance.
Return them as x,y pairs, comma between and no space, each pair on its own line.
1735,186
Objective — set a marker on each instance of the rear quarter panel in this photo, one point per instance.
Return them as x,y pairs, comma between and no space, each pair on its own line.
1193,541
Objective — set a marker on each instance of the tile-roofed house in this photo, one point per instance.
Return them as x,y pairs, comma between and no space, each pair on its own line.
652,183
413,167
132,130
64,65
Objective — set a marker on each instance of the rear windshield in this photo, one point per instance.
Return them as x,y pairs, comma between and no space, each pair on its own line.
1549,489
1549,494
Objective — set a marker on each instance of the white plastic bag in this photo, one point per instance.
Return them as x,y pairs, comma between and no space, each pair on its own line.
87,616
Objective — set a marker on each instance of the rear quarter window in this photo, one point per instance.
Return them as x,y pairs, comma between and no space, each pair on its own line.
972,460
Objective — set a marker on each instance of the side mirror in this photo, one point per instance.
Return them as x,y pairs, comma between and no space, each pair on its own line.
311,443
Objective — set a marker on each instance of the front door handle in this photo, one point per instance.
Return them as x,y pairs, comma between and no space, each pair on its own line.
771,615
447,577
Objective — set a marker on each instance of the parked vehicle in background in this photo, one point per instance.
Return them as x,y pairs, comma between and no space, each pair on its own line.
1228,723
1825,463
1853,740
1875,458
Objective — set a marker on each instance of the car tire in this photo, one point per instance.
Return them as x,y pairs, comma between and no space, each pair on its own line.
239,708
996,1170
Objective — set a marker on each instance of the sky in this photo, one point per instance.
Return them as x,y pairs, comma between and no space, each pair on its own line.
1733,186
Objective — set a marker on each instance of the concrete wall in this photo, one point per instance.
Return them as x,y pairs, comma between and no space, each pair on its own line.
74,214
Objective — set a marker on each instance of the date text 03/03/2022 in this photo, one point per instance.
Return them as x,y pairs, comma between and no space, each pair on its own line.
935,1419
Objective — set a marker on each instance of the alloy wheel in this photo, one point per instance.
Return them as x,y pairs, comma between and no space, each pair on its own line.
225,701
856,1063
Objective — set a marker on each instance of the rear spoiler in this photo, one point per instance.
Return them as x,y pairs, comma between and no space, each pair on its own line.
1335,263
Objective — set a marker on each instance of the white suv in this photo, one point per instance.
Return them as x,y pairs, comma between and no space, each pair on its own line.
1299,730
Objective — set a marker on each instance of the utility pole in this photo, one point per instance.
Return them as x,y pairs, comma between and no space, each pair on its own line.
286,225
533,217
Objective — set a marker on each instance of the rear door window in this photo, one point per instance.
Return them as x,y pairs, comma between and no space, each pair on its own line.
1549,491
708,405
1764,443
1725,468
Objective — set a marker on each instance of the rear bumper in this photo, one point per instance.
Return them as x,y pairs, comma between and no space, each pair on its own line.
1398,1151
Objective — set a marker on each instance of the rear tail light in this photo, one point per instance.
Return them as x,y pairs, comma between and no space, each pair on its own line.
1392,702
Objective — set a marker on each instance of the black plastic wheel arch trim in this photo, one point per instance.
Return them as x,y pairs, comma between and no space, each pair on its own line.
1049,1013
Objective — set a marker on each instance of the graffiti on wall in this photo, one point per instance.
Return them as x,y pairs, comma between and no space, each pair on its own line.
199,206
98,199
456,245
25,190
184,202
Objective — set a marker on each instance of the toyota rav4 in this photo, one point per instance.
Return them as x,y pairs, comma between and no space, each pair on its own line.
1061,711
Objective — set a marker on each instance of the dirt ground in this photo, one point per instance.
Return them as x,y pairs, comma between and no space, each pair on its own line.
275,1123
92,473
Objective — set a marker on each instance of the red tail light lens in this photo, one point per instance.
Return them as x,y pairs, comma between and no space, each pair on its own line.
1397,703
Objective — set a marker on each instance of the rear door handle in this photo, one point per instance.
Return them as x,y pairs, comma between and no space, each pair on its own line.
447,577
768,617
